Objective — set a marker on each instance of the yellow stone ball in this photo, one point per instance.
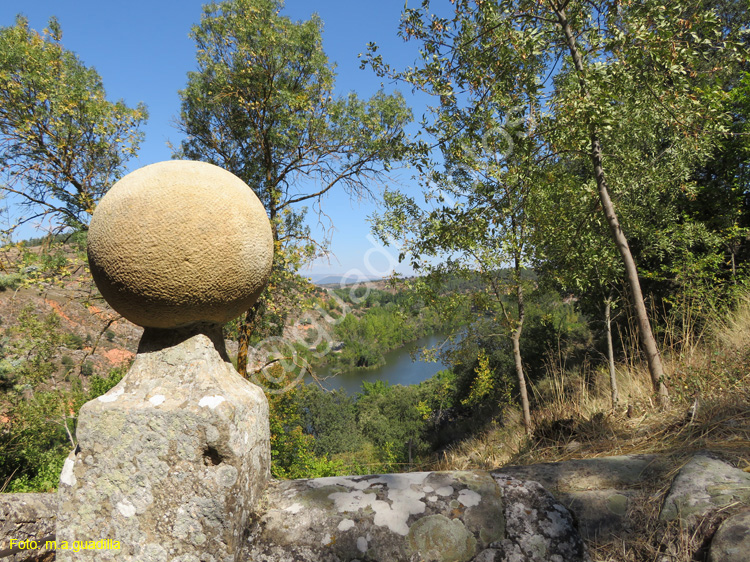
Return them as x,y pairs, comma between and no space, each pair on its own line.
178,243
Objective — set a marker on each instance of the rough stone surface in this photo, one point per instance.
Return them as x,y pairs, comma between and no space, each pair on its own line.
298,508
430,516
538,528
598,490
180,242
427,516
704,485
731,543
171,461
24,517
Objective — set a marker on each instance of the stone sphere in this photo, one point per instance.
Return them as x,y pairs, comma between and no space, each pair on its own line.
178,243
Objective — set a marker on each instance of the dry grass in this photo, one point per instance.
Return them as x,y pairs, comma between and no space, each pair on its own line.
574,418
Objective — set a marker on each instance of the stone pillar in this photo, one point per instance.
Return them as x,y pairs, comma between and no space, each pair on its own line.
171,462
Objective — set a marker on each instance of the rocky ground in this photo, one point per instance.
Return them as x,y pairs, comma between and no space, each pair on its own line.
92,333
692,509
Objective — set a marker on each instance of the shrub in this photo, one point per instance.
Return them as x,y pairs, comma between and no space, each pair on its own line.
73,341
87,369
10,281
67,363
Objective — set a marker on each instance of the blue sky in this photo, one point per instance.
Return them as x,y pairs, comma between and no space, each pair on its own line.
143,52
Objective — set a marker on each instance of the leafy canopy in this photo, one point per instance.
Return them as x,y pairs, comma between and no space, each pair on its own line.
62,144
262,106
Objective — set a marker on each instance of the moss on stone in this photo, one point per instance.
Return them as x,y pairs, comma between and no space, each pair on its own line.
439,539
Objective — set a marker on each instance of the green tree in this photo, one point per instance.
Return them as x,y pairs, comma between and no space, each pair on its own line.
261,105
389,417
292,445
621,73
62,144
330,418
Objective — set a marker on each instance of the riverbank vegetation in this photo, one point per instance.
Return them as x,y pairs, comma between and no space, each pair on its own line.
389,321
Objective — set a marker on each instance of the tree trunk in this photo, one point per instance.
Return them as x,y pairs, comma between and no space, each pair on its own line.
610,351
648,341
246,324
516,338
246,330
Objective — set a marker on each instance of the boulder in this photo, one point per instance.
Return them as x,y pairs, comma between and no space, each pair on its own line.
538,527
599,490
702,486
731,543
429,516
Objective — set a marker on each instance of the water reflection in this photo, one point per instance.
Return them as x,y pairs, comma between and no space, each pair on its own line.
399,368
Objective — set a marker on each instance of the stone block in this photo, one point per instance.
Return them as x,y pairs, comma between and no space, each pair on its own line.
462,516
171,461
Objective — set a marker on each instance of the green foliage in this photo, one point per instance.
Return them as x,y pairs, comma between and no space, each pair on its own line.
262,106
635,98
389,321
35,353
100,385
73,341
389,418
63,144
10,281
292,448
40,402
484,385
87,369
37,438
67,362
331,419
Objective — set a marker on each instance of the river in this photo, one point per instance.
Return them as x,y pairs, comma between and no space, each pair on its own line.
398,368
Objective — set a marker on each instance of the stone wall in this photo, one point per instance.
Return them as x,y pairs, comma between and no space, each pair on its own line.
506,515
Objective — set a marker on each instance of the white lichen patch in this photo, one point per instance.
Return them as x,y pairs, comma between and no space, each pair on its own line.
227,475
404,495
126,508
112,395
211,401
157,399
294,508
351,502
445,491
67,476
327,539
345,525
469,498
362,544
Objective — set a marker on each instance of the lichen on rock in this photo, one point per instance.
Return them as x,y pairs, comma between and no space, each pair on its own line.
431,516
171,476
704,485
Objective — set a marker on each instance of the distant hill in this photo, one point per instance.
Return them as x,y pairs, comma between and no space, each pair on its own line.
324,279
